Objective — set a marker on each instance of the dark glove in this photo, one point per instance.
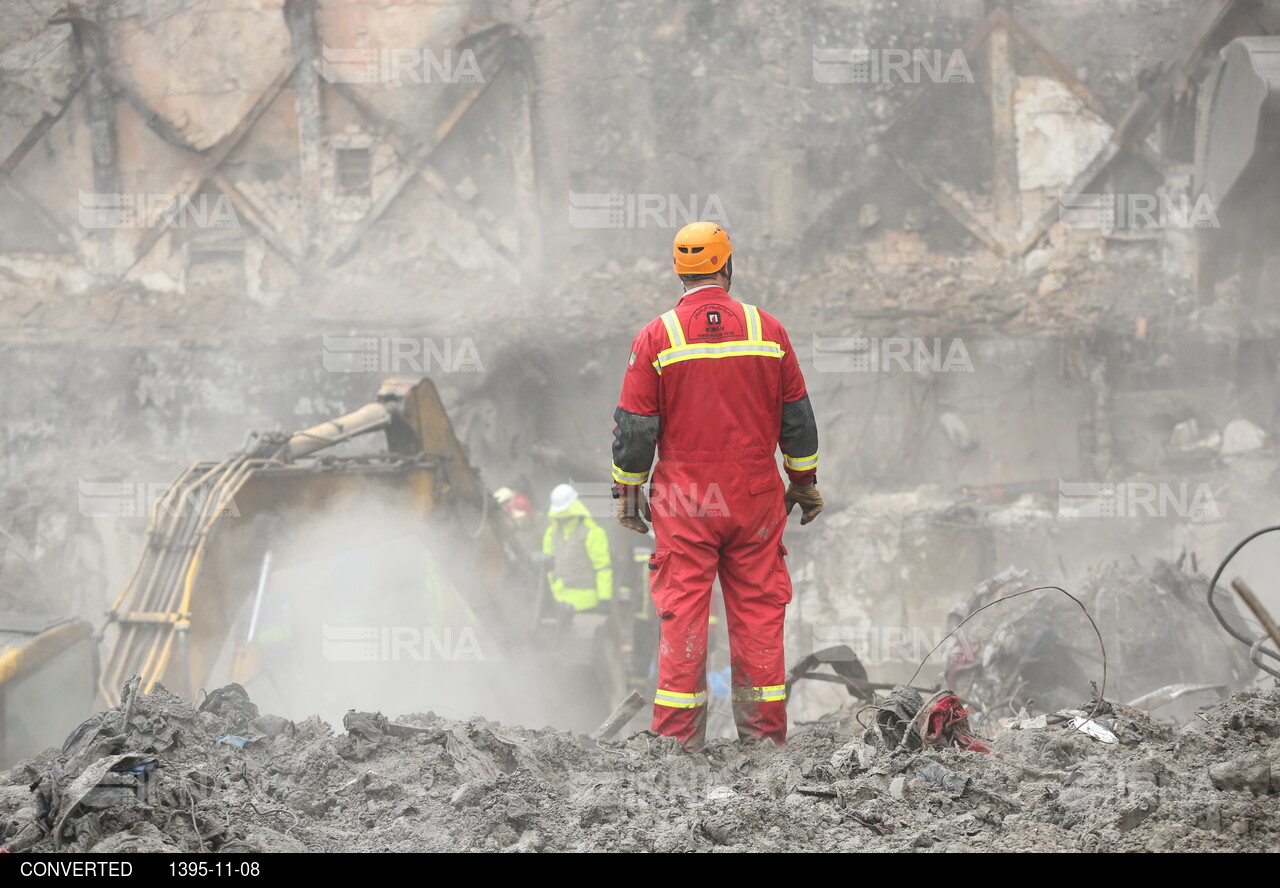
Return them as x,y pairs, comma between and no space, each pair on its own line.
631,505
809,499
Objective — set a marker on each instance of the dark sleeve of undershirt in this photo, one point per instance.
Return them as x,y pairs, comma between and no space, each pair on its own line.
799,441
635,438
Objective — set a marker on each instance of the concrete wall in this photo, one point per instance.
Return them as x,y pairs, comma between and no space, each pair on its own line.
711,108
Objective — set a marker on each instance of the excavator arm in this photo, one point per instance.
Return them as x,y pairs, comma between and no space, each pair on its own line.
209,534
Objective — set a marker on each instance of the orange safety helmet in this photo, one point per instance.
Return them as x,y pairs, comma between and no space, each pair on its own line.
701,248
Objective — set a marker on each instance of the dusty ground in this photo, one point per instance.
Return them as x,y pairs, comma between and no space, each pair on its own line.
430,784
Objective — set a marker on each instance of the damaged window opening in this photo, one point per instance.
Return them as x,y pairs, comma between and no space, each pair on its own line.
215,263
354,171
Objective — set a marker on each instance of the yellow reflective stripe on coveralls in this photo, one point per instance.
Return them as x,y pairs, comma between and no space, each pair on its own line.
677,700
753,322
765,694
720,350
681,350
629,477
675,332
800,463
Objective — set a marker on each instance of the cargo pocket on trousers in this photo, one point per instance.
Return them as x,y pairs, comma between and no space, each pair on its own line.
780,576
659,579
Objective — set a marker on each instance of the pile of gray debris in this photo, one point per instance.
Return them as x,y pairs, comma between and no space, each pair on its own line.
163,774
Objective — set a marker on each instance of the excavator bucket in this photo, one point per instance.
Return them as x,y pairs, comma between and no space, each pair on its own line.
1236,152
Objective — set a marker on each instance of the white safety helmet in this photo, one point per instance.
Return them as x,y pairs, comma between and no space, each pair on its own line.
504,495
563,497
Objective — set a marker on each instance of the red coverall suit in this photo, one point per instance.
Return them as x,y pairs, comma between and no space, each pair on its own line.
715,385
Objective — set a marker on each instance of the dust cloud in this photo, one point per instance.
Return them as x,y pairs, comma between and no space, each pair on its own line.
364,606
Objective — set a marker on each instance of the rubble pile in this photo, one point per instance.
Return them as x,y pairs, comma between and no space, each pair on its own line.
897,282
1161,643
162,774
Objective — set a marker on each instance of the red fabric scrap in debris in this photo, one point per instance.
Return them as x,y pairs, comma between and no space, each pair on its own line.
946,723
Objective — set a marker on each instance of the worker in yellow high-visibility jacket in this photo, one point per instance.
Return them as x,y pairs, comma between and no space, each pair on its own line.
581,571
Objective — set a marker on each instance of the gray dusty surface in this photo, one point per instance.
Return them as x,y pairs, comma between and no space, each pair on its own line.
429,784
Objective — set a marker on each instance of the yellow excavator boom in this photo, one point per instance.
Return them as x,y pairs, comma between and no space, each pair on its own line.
205,544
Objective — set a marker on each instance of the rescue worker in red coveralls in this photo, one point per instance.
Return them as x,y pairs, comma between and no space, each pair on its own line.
714,386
